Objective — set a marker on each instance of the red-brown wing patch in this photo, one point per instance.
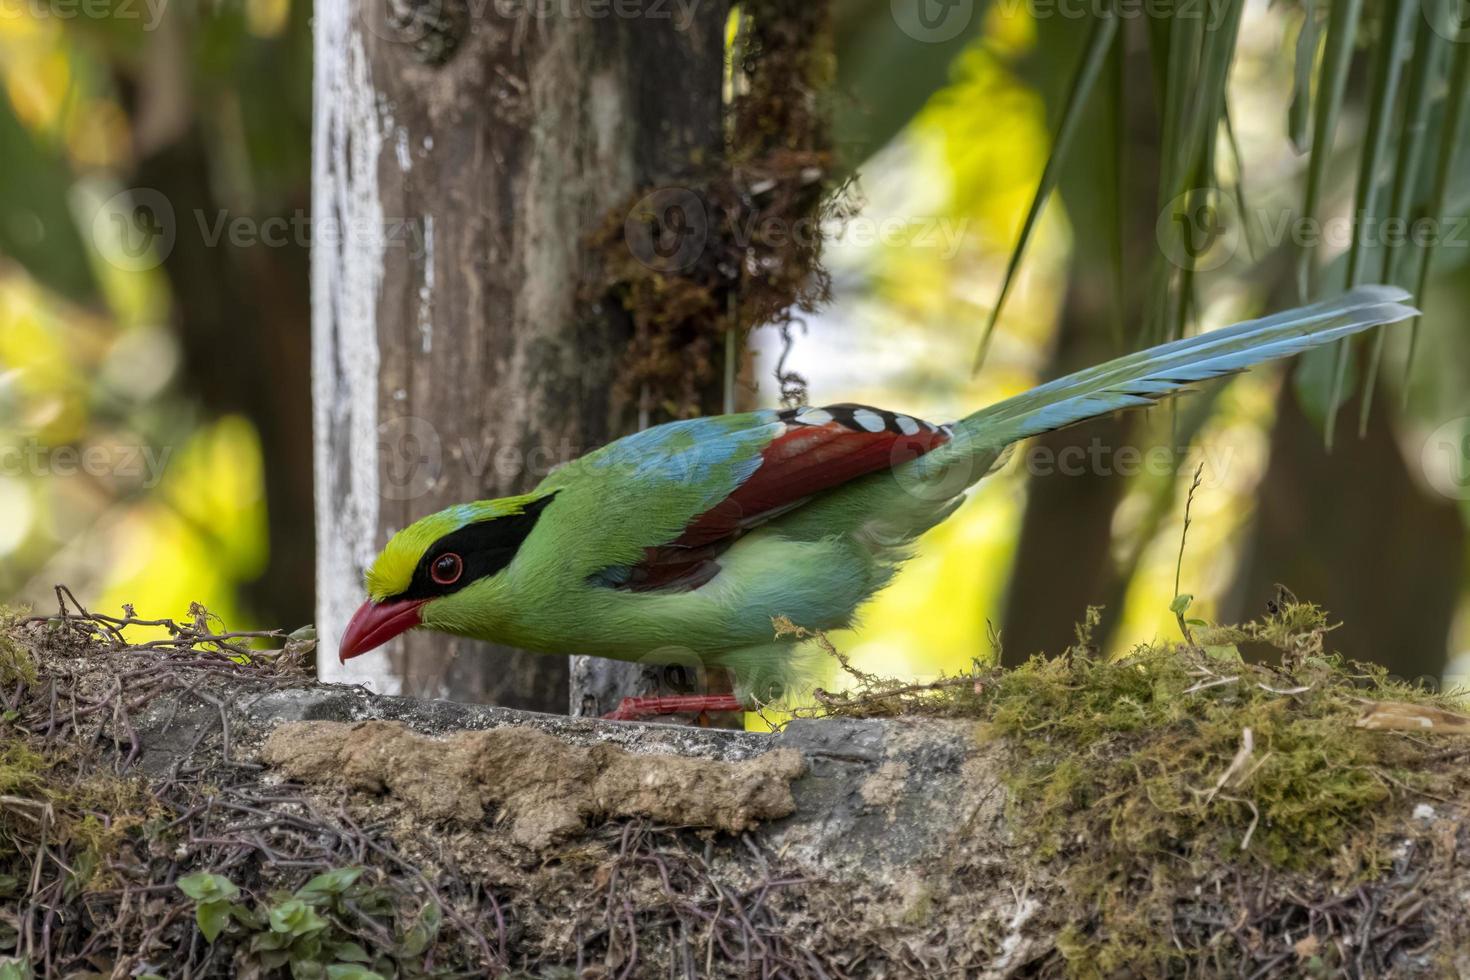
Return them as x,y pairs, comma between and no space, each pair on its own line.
820,449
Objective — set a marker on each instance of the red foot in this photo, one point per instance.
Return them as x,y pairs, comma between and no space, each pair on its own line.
636,709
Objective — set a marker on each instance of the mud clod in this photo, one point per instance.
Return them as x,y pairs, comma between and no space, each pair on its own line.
543,788
884,788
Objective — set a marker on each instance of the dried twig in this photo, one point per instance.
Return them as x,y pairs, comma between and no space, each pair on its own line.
1242,756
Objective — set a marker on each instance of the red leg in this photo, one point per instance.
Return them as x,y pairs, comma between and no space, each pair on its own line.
636,709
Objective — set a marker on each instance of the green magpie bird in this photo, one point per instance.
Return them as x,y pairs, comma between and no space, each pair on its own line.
686,539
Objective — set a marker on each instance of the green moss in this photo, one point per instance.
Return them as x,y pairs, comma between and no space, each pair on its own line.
48,795
22,770
1141,773
83,817
16,663
1134,779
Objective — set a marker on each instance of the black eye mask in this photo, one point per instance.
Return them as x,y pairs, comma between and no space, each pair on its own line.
484,548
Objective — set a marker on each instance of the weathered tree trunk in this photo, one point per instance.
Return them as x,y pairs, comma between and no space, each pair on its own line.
463,156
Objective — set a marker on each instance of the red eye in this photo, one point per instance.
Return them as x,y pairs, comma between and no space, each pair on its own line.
446,569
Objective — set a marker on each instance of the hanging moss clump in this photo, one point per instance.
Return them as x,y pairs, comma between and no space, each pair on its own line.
717,249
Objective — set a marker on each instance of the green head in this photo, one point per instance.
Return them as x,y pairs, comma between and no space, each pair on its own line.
437,571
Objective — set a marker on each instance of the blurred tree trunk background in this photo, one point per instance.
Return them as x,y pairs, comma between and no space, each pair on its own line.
1354,531
254,304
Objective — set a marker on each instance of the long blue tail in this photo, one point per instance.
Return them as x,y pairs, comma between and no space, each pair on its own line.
1147,376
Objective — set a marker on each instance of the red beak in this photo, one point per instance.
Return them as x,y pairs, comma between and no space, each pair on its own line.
375,624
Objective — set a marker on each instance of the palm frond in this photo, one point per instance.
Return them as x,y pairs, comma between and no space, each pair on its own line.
1387,71
1308,40
1413,66
1342,30
1429,45
1099,43
1457,99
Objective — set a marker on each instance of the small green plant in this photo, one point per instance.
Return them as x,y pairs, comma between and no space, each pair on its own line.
214,899
311,931
1182,600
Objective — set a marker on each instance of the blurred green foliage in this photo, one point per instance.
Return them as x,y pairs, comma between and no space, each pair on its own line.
116,474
